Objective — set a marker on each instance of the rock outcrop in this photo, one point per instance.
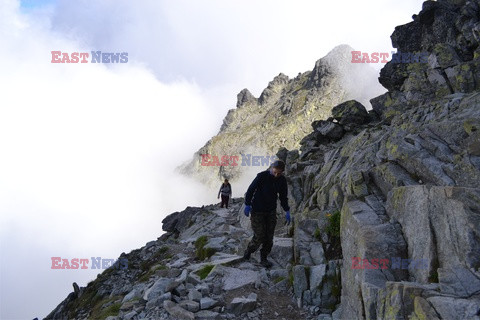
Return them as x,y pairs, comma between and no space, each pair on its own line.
406,179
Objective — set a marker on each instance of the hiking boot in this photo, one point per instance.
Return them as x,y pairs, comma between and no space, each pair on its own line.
246,255
267,264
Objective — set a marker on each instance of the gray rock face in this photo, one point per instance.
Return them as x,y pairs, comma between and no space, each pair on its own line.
327,129
130,315
458,281
158,288
155,302
177,312
406,179
316,253
245,97
133,294
206,315
274,88
216,243
366,237
236,278
282,251
194,295
300,281
441,225
452,308
178,221
243,305
207,303
316,276
350,112
307,248
190,305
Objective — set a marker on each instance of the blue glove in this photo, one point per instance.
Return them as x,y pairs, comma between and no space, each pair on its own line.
287,218
247,210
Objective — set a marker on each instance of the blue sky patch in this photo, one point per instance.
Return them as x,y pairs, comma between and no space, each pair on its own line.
30,4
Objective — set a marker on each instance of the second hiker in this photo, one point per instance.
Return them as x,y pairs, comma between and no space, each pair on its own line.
226,192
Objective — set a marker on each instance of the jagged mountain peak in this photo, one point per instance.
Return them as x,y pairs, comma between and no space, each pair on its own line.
244,97
340,55
283,113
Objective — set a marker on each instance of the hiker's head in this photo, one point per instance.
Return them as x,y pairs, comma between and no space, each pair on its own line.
277,168
226,181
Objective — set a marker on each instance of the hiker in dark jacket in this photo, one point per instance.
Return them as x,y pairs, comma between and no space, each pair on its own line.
261,201
226,192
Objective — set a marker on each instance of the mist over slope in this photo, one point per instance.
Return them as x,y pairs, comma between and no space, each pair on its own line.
281,115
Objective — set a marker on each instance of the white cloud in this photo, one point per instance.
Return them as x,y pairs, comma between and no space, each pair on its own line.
87,151
241,42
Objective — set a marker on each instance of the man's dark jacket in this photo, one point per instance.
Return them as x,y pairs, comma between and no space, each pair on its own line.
263,191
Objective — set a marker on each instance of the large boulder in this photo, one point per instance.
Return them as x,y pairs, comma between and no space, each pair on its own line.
178,221
350,112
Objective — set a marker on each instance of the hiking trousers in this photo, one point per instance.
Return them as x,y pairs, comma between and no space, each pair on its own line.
224,201
263,225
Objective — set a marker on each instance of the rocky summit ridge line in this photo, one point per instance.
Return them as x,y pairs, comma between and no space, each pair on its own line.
399,181
281,116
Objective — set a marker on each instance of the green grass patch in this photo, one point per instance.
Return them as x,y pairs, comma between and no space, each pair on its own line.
291,231
111,310
86,301
203,253
290,279
336,280
205,271
333,226
201,242
333,251
160,255
146,275
279,279
433,278
162,250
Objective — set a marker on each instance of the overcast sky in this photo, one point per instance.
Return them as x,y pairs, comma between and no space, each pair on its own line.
87,151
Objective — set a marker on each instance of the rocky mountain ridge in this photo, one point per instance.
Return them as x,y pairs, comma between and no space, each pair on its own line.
194,272
281,115
400,182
